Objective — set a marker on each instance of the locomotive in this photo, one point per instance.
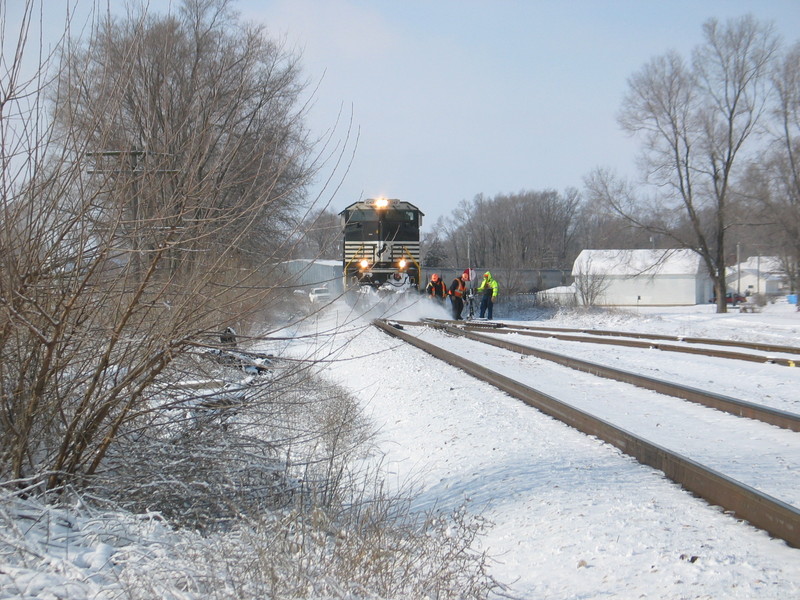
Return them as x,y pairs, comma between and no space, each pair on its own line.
381,243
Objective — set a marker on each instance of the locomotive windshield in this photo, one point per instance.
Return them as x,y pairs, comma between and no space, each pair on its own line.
363,225
397,216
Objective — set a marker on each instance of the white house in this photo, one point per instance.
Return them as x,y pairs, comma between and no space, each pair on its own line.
641,278
757,275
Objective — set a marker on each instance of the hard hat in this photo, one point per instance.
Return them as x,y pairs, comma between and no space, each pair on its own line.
465,275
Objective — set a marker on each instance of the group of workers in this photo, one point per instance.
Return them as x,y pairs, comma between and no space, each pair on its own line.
457,292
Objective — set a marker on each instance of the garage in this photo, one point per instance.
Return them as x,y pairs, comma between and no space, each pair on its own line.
641,278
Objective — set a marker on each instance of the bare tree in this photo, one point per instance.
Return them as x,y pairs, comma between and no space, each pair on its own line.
194,116
697,121
590,282
433,247
787,84
321,235
772,184
116,281
597,228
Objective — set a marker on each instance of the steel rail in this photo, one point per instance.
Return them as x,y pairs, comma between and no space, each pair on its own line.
734,406
761,347
761,510
633,343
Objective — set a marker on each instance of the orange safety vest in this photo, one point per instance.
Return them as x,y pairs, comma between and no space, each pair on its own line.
459,291
437,289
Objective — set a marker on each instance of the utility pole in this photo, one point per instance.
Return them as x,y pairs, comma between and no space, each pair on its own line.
758,272
469,264
738,270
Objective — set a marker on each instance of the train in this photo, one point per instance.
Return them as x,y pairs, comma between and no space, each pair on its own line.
381,244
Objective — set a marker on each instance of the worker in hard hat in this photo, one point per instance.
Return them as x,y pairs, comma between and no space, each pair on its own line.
436,288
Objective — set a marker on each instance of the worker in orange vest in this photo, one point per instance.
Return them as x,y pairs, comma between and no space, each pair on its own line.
436,288
458,289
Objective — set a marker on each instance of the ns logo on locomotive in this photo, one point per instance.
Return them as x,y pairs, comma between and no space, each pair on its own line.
381,245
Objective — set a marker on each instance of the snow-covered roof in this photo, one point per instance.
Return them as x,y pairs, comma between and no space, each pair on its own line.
638,262
567,290
317,261
761,265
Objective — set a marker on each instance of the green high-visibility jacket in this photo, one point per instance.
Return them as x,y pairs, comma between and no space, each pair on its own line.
488,283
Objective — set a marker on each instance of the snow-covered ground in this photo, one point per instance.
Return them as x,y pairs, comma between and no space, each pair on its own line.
573,517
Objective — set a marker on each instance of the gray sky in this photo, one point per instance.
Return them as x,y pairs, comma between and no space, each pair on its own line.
452,98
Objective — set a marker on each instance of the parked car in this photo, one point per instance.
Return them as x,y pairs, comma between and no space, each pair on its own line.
319,295
730,298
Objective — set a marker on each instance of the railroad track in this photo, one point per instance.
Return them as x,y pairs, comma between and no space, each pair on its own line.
762,510
689,345
734,406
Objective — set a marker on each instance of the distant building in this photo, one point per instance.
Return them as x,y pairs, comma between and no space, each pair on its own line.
308,273
757,275
641,278
563,295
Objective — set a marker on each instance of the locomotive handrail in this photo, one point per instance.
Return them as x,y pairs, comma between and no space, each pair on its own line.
411,256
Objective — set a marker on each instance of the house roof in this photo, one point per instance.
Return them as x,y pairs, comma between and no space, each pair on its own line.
638,262
762,265
316,261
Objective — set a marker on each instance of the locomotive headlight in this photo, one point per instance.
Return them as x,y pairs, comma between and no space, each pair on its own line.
364,264
381,202
402,264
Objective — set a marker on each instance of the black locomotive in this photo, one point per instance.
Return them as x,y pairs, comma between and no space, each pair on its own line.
381,243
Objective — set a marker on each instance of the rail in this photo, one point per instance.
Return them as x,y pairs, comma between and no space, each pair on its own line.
670,338
734,406
653,343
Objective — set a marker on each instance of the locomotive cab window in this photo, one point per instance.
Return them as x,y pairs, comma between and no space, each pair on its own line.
386,225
